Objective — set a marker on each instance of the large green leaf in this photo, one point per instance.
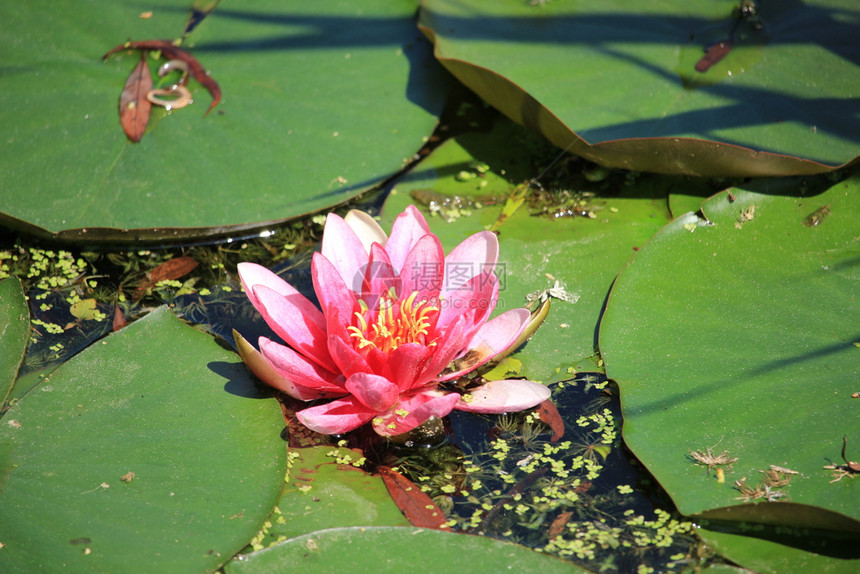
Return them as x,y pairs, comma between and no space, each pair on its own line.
739,334
14,333
320,102
157,399
775,557
326,490
396,549
583,254
615,82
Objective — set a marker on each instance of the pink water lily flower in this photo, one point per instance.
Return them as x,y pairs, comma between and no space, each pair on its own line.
397,319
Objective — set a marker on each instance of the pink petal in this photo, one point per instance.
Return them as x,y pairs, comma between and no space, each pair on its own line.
336,417
422,269
288,317
406,364
449,344
366,228
374,392
413,411
475,299
251,275
379,277
476,254
494,337
300,371
342,247
266,373
332,292
377,361
344,355
408,228
506,396
536,319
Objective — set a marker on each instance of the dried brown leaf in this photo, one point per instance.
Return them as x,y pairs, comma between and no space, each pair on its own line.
119,320
134,108
716,53
557,526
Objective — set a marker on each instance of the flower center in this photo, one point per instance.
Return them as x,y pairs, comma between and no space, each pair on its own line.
394,325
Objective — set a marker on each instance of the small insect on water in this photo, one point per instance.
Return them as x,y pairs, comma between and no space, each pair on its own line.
817,216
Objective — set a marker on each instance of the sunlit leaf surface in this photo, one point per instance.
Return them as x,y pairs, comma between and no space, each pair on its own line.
615,81
739,336
149,451
14,332
320,101
398,549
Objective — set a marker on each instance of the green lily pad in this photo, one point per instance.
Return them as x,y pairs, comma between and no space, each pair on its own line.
151,448
326,490
14,333
773,556
619,87
583,254
739,334
394,549
319,103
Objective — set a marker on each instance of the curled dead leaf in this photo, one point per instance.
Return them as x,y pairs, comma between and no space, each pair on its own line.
173,52
134,108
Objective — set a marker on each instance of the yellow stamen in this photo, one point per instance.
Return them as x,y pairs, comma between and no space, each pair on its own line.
394,325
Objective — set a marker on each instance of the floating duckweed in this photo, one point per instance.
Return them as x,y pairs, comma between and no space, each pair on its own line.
52,328
552,496
345,456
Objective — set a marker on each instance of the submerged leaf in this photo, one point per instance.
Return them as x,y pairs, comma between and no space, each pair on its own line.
549,414
169,270
418,508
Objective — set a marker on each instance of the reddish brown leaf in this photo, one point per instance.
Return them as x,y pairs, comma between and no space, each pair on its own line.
583,487
118,319
716,53
416,506
134,108
169,270
557,526
172,52
549,414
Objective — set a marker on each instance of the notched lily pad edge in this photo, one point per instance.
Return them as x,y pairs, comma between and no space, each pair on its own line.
789,514
155,236
668,155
